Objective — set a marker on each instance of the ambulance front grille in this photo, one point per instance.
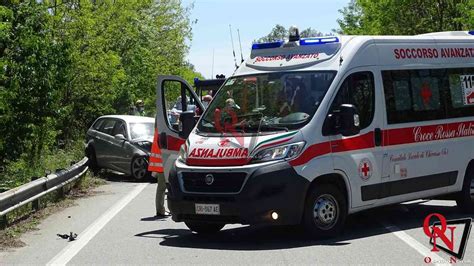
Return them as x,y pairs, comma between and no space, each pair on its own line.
221,182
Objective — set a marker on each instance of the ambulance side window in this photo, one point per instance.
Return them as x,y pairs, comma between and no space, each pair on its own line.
415,95
460,84
358,90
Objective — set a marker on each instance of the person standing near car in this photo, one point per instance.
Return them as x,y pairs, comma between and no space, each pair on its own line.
140,108
160,195
155,166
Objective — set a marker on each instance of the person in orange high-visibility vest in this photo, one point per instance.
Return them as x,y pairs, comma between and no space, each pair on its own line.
156,167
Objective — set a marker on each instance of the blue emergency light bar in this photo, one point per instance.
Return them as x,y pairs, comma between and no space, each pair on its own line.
303,42
471,32
317,41
267,45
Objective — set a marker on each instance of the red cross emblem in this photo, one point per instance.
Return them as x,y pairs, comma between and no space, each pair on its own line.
365,169
426,93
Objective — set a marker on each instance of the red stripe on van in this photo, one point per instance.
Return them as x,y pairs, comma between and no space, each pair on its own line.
391,137
311,152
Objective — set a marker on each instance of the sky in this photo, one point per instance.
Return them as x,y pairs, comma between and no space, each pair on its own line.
254,19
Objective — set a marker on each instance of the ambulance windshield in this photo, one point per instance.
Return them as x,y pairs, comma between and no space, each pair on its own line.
266,102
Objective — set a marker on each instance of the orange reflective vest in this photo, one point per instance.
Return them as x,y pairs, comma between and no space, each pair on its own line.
156,162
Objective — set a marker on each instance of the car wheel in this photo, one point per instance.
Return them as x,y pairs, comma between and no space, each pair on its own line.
465,198
139,167
204,228
325,211
93,166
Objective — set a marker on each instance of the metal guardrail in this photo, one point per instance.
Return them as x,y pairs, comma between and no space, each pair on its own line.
24,194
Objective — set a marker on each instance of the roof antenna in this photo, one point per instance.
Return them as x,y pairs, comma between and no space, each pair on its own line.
240,43
233,49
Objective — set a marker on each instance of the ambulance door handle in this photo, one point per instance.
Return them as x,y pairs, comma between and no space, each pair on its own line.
163,140
378,137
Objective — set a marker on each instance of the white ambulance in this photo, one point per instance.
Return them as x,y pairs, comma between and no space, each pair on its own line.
311,130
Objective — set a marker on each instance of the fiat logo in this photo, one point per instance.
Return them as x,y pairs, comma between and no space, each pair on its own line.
209,179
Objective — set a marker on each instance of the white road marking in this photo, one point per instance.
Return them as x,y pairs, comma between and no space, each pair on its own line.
73,248
424,251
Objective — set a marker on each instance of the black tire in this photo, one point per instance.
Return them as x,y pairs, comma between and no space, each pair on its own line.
139,168
93,166
329,220
465,198
204,228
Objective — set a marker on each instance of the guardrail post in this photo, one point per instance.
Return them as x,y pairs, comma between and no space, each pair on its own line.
3,222
36,203
61,192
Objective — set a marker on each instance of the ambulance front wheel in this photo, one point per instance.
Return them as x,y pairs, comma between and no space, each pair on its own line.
325,211
465,199
204,228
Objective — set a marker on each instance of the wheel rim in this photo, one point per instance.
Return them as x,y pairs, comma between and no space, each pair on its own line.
139,168
325,211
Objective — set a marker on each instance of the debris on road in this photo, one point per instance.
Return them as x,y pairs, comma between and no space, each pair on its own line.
72,236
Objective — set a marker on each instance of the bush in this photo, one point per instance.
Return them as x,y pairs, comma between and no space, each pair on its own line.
20,171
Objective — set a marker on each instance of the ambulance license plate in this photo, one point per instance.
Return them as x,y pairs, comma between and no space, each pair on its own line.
209,209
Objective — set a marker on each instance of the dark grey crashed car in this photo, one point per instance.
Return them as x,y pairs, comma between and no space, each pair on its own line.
121,143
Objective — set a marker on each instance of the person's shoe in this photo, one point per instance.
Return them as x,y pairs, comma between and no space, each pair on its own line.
164,215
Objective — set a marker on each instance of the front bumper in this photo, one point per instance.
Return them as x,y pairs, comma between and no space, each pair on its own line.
269,188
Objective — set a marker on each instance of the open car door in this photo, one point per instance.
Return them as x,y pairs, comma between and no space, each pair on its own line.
174,98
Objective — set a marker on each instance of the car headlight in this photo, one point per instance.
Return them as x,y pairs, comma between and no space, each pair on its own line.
182,154
281,152
146,145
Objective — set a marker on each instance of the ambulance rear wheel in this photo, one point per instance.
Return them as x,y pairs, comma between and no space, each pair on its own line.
325,211
204,228
465,200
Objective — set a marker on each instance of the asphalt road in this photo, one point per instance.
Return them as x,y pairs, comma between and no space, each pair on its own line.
116,226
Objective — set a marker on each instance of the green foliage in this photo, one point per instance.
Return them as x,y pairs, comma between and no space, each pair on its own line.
64,63
406,17
279,32
20,170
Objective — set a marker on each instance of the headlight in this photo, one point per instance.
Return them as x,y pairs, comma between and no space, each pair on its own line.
277,153
146,145
182,155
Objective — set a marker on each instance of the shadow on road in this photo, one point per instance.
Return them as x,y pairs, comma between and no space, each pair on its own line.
360,225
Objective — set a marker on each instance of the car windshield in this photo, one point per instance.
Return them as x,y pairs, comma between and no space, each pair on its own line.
266,102
141,130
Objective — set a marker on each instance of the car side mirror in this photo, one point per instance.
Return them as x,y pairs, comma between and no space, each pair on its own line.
186,123
120,137
346,120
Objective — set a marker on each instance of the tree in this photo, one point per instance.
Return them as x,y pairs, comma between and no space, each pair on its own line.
33,64
64,63
310,32
279,32
406,17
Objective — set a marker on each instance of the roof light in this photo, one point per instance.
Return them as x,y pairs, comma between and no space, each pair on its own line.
316,41
294,34
266,45
471,32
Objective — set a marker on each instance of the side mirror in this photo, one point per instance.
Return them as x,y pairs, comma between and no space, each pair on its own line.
120,137
186,123
346,120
